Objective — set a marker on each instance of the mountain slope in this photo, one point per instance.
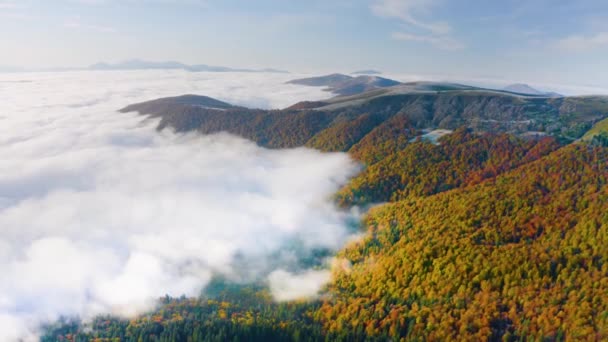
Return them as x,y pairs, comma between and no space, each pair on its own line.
161,106
520,256
521,88
345,85
424,169
600,128
332,80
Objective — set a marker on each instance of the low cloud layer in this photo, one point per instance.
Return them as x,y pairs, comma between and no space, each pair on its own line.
289,286
101,214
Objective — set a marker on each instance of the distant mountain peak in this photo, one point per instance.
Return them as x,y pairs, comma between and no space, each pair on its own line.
192,101
138,64
133,64
522,88
345,85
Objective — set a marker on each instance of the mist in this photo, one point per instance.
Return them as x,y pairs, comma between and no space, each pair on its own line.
101,214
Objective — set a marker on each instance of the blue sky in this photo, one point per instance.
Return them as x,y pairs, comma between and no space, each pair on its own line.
551,41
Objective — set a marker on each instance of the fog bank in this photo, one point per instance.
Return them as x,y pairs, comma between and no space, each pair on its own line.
99,213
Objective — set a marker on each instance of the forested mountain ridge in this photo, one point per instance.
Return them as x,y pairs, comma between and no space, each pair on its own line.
339,123
522,255
598,134
486,235
424,169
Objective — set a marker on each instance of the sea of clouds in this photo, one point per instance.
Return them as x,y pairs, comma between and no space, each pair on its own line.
101,214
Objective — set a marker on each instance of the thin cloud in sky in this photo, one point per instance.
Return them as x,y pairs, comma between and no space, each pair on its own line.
438,33
406,10
472,38
582,43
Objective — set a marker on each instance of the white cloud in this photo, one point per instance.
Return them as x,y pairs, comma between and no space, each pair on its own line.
582,42
102,214
290,286
408,12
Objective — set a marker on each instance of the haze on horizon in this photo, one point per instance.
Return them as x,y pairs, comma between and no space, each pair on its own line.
542,42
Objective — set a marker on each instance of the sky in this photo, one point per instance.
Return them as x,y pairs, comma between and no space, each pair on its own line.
538,41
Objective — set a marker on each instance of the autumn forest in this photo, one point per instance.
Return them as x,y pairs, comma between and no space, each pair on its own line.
481,236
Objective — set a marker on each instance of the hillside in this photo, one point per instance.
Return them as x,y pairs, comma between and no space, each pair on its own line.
157,107
424,169
598,134
522,255
514,250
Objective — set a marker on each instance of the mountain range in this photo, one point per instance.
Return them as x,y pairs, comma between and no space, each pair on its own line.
136,64
425,105
366,80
